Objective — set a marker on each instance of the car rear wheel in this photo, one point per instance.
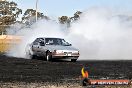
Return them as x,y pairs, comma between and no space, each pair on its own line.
29,53
34,57
73,60
49,56
29,56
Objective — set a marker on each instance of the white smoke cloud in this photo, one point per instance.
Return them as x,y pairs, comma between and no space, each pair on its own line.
40,29
99,34
102,35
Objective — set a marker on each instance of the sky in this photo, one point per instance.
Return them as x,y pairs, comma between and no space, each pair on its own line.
69,7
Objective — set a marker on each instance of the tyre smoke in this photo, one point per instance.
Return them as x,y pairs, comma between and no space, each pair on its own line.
99,34
40,29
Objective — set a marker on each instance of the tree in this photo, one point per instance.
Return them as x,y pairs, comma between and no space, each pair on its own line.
76,15
9,13
65,20
30,14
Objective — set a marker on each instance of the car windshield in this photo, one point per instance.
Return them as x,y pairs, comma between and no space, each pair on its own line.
56,41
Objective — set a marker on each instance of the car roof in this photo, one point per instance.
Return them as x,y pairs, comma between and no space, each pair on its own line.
50,37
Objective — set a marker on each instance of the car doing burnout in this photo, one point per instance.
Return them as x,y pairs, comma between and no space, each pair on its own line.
52,48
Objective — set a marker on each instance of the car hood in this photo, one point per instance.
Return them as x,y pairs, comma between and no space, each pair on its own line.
58,47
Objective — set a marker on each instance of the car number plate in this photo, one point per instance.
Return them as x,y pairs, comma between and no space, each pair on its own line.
68,54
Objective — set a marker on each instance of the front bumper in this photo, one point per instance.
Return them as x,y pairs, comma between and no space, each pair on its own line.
65,55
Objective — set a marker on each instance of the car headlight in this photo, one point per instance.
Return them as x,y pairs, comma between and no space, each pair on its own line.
59,51
75,52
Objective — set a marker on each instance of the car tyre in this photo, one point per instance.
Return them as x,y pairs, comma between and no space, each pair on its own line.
34,57
48,56
73,60
29,56
29,53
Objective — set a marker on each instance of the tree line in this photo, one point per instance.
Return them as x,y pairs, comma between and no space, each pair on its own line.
10,14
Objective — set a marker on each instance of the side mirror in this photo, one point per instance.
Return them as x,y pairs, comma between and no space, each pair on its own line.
70,44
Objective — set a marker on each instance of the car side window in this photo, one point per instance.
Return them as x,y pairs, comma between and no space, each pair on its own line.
36,41
42,42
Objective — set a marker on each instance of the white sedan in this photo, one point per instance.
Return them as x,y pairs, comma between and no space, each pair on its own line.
52,48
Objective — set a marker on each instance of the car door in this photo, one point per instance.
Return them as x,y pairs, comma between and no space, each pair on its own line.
41,45
35,46
38,46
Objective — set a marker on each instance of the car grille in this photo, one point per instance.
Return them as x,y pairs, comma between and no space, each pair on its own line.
67,52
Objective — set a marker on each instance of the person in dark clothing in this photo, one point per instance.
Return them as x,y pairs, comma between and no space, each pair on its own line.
85,76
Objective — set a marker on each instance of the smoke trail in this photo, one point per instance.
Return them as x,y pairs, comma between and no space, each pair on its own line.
40,29
102,35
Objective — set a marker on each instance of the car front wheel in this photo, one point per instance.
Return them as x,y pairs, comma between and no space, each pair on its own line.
73,60
49,56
